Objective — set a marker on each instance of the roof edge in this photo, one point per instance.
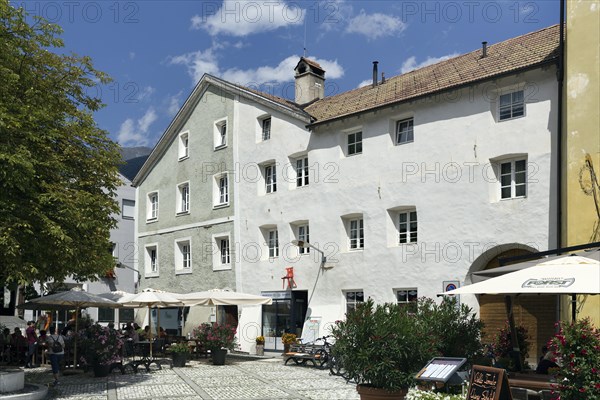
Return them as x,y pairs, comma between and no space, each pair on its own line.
446,89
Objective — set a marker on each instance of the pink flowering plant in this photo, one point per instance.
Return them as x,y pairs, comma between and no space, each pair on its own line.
100,345
215,336
576,349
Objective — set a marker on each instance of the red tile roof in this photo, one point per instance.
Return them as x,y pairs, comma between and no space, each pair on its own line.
522,52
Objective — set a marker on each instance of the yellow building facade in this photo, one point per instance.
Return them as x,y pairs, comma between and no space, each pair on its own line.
581,138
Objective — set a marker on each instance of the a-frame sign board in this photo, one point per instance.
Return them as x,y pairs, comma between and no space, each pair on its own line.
488,383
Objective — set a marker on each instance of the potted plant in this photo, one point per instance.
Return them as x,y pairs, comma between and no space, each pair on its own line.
260,345
382,348
180,353
288,339
217,338
101,348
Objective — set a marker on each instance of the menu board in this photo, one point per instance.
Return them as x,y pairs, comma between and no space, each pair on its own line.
488,383
440,369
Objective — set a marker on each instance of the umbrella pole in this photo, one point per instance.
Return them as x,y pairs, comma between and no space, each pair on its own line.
573,307
516,353
150,332
76,334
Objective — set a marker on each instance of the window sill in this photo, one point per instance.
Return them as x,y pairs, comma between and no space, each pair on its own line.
353,154
222,267
128,218
151,275
180,213
218,206
183,158
151,220
183,272
356,250
514,198
220,147
510,119
402,143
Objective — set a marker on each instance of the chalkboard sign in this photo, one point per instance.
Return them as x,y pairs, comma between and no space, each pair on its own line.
488,383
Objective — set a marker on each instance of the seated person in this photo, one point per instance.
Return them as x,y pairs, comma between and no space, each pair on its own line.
162,333
546,362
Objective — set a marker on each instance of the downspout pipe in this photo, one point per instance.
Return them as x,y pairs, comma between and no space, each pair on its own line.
559,141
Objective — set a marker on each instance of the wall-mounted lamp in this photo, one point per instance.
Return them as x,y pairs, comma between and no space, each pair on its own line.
306,245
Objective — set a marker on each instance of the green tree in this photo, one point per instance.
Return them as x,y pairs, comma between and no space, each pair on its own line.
58,170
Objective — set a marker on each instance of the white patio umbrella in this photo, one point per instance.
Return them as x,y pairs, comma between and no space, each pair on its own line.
563,275
74,298
560,275
479,276
217,297
151,298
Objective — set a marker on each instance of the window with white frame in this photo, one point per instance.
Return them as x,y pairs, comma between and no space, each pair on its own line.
183,145
407,296
221,190
407,226
221,134
221,252
513,179
303,236
128,209
354,143
353,298
511,105
356,233
152,206
273,243
266,128
183,255
302,172
151,259
271,178
183,192
224,251
404,131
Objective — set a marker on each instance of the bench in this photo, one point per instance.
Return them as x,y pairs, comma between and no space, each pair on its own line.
302,354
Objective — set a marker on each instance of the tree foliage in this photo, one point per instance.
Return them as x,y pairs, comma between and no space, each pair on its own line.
58,170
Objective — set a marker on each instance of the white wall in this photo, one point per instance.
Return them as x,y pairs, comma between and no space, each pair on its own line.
460,216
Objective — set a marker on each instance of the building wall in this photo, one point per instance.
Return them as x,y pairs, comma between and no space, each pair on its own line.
581,139
445,174
203,220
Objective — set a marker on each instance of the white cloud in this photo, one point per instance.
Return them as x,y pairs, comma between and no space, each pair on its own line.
131,55
364,83
198,63
411,63
201,62
174,104
135,133
146,93
242,18
375,25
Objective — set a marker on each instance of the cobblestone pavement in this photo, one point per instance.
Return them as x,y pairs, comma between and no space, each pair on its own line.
240,379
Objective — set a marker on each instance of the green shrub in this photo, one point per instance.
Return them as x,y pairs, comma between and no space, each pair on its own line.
383,346
457,328
577,351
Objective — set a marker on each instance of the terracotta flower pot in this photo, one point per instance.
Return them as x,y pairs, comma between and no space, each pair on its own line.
372,393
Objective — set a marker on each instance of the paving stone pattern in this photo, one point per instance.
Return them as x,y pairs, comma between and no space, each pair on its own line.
242,378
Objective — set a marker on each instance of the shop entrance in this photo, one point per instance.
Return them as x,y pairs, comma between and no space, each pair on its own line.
285,315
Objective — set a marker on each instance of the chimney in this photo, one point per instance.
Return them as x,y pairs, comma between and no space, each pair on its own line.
484,50
382,78
309,81
375,73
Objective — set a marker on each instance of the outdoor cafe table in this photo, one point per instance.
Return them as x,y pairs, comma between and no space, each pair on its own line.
535,382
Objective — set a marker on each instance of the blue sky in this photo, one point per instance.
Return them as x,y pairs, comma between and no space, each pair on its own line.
156,51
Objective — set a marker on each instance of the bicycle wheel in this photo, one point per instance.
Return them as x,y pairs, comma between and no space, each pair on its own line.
336,368
321,359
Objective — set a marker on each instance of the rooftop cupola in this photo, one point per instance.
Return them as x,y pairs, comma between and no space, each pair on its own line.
310,81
